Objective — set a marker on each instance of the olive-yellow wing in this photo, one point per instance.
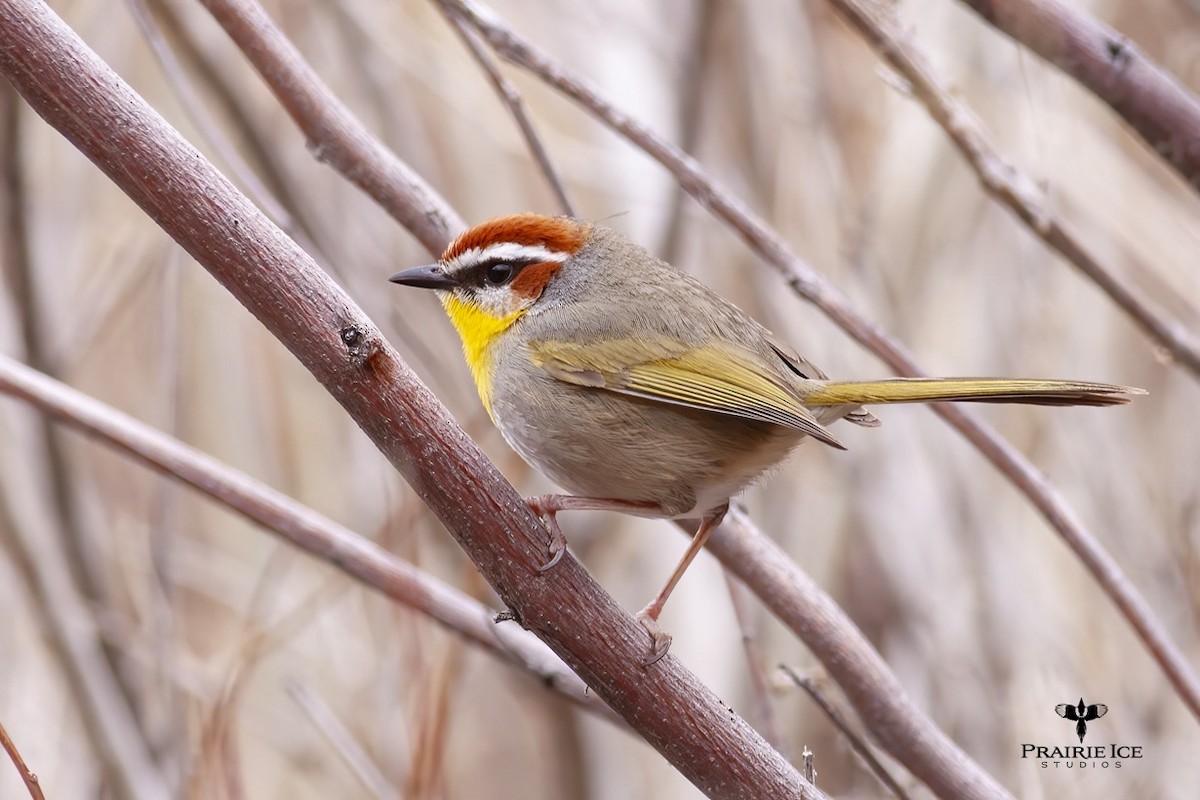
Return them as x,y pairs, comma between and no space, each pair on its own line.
719,377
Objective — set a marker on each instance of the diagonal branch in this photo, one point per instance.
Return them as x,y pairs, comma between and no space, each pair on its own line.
327,723
953,772
28,776
516,106
76,92
815,288
1158,107
857,744
335,136
57,549
206,124
1002,181
870,686
359,558
285,81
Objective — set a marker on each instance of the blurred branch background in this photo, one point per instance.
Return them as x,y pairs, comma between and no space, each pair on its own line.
256,673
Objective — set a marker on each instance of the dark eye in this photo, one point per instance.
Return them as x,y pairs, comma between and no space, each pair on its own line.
499,273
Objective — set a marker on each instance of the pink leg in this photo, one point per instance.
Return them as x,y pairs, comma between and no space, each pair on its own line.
660,640
547,507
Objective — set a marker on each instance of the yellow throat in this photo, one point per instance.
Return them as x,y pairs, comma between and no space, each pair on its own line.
478,330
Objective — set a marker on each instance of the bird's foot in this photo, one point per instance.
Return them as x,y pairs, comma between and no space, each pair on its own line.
660,640
545,508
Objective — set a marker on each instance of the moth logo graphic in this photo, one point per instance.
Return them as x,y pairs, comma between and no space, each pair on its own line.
1081,715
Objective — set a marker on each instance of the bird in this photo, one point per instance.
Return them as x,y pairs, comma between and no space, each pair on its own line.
638,389
1081,714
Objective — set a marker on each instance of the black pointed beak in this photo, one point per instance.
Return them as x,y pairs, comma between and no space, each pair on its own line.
427,277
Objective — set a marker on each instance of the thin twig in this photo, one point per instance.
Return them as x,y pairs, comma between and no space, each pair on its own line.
224,100
55,550
427,776
164,522
516,106
219,754
756,664
860,747
196,114
1152,101
27,775
357,557
815,288
878,24
694,75
335,136
339,737
296,220
74,90
875,692
667,705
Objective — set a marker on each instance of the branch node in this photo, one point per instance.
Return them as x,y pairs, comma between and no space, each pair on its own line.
1118,51
361,345
509,614
319,150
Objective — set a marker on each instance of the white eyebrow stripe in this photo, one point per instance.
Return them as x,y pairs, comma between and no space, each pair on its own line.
506,251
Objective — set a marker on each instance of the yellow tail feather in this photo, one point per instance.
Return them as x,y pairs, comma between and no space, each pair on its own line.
974,390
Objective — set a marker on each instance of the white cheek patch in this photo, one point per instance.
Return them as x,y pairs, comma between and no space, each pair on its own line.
497,301
504,251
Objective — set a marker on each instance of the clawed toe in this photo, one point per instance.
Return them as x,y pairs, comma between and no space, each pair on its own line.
660,640
558,542
558,548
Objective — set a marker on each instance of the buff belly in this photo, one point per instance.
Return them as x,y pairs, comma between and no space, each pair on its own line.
596,443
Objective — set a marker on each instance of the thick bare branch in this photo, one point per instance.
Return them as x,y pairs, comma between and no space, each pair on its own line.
813,287
851,633
78,94
205,123
299,525
874,691
1156,105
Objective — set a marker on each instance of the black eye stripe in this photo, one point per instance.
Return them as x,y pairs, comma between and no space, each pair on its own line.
486,272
